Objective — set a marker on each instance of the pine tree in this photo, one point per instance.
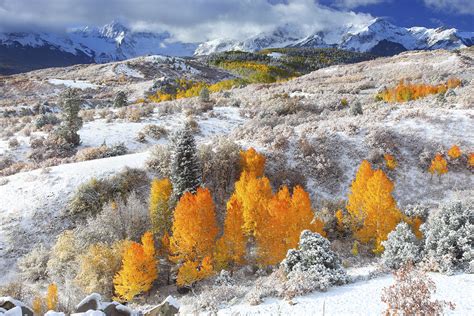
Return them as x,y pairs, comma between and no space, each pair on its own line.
194,227
160,211
401,247
70,104
204,95
52,297
121,99
139,269
185,170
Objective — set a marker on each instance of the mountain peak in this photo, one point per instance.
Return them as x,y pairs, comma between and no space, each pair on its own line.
114,29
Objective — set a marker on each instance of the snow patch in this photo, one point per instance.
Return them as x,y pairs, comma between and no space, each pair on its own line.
78,84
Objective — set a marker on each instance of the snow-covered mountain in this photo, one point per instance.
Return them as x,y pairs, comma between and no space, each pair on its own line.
378,36
112,42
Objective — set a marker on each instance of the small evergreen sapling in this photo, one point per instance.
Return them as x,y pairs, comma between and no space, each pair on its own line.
70,104
121,99
401,247
316,260
449,237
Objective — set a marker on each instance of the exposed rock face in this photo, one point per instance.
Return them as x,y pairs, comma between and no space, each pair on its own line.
13,307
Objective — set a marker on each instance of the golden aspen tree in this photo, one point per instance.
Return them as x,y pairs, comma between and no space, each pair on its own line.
160,212
381,215
252,162
470,160
438,165
38,306
52,297
194,227
454,152
139,269
231,247
339,219
390,161
358,189
253,194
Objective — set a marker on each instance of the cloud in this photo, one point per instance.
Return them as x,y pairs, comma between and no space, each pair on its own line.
186,20
352,4
452,6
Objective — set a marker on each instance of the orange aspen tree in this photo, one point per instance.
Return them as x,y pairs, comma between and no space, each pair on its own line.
231,247
390,161
52,297
194,235
454,152
358,189
380,211
439,165
470,160
194,227
252,162
139,269
160,212
38,307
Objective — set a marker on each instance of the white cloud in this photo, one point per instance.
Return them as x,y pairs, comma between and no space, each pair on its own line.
453,6
352,4
186,20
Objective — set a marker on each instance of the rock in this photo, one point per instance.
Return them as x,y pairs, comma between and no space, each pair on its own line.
117,309
91,302
12,307
169,307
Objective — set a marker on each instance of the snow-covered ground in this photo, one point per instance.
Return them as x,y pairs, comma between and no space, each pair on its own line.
360,298
78,84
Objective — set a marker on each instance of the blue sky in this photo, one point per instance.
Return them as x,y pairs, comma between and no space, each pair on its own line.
407,13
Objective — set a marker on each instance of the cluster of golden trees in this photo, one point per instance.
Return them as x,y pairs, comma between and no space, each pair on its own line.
404,92
439,164
49,303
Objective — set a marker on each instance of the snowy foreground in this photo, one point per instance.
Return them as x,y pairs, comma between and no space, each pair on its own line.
361,298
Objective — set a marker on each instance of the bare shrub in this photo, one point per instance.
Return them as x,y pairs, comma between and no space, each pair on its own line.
411,294
100,152
13,143
154,131
33,265
159,161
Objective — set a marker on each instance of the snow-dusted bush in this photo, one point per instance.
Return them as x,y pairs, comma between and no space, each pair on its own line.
356,108
33,265
401,247
224,278
117,221
46,119
154,131
102,151
411,294
212,298
62,263
315,261
449,237
159,161
220,167
121,99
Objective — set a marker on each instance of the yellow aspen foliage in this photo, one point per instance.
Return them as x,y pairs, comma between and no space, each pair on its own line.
415,224
139,269
165,244
470,160
98,266
194,227
231,247
355,248
38,306
193,271
160,212
438,165
380,211
339,219
454,152
390,161
52,297
358,188
288,216
253,194
252,162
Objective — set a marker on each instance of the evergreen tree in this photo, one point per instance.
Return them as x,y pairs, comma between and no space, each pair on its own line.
401,247
121,99
70,104
185,170
204,95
